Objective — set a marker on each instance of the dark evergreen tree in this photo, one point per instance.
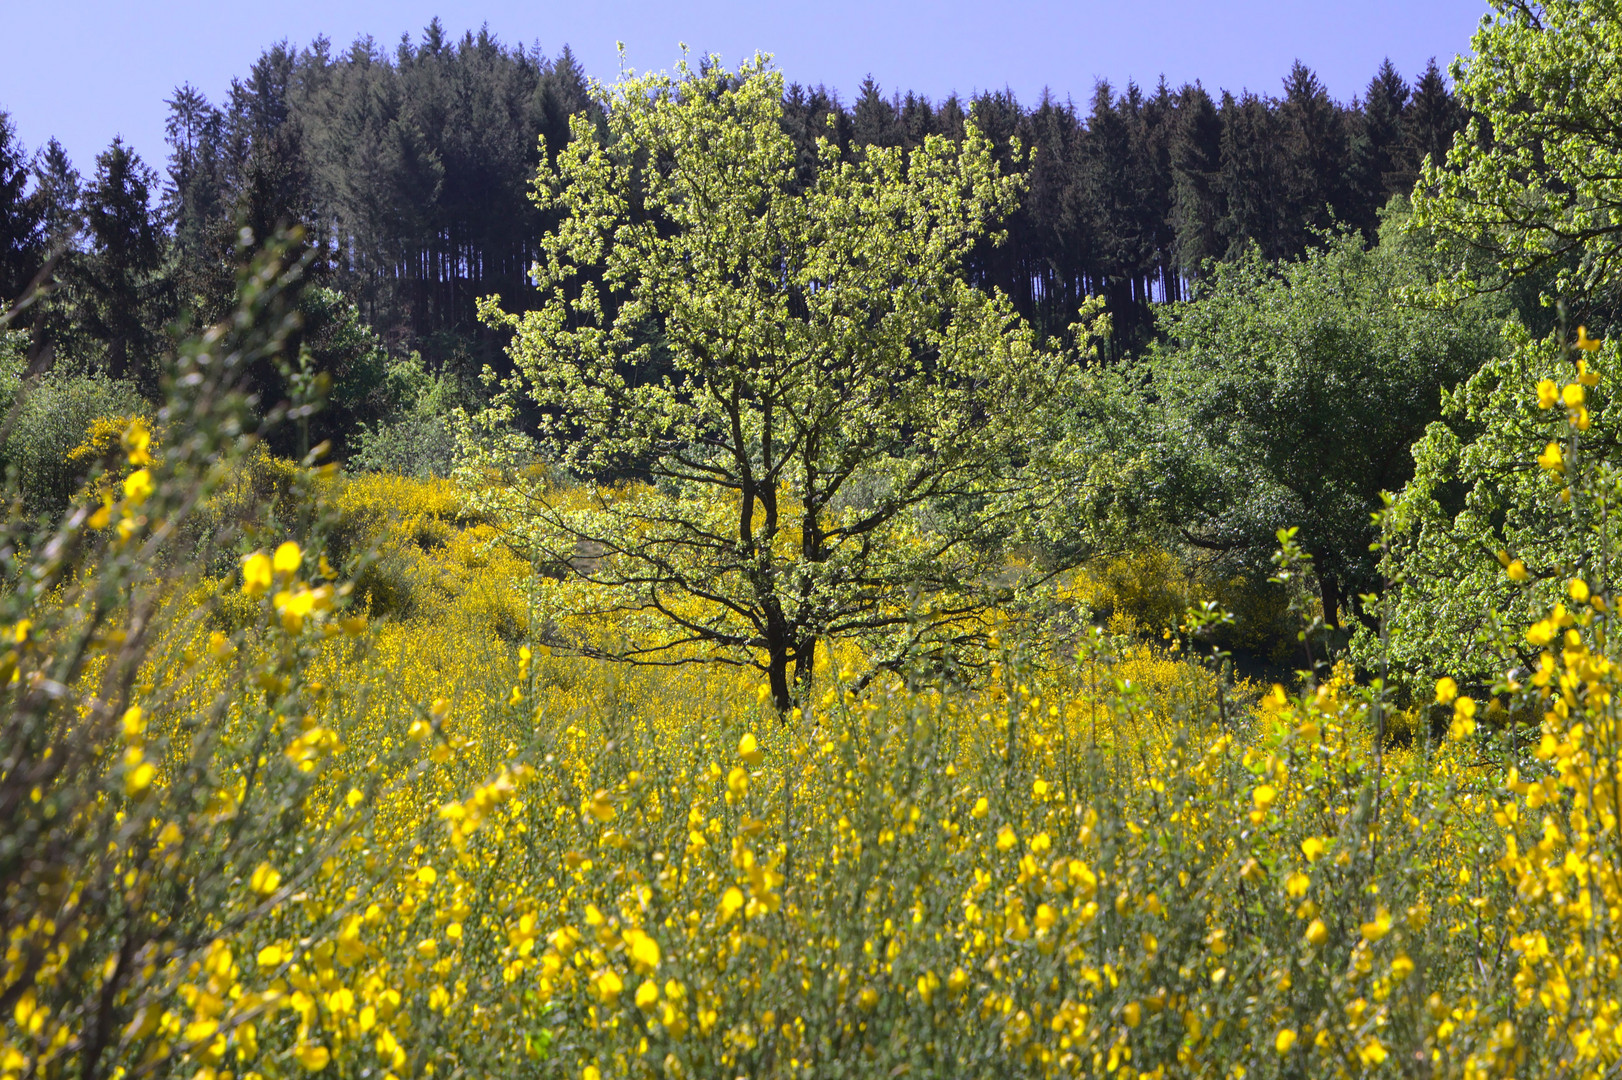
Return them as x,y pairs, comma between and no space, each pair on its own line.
1378,167
1254,186
875,120
1196,162
121,296
57,190
22,236
1317,155
1432,118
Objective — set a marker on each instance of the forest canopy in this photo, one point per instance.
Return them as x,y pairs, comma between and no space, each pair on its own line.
409,169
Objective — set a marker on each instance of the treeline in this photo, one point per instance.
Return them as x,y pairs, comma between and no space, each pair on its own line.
410,171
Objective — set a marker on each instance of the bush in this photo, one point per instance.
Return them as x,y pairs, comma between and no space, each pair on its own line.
46,447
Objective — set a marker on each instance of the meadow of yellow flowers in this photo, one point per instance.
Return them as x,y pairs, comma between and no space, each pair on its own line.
267,819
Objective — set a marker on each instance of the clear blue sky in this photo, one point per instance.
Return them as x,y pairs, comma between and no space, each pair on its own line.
86,70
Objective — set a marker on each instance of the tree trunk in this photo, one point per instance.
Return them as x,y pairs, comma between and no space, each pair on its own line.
777,672
805,662
1329,591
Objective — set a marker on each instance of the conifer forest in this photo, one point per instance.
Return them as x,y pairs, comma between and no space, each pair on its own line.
511,574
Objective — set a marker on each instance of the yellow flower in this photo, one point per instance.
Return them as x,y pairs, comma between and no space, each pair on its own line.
1006,839
1284,1040
1372,1053
1578,590
138,487
1317,932
1379,927
287,558
265,879
1552,459
1446,690
1586,343
1548,394
256,574
137,441
1296,884
1264,796
1572,395
749,750
731,901
981,808
138,774
1517,571
608,985
270,956
601,807
647,996
644,950
1313,848
313,1056
133,723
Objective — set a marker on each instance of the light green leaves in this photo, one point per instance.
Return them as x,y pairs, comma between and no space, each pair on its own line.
837,430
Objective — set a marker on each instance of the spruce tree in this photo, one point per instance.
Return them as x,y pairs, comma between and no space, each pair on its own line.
1379,164
121,295
22,241
1317,155
1196,163
1430,121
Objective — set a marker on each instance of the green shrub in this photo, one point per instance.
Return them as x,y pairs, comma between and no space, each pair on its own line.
50,419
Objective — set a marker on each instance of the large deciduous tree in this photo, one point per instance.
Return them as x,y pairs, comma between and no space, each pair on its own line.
1290,395
836,433
1537,175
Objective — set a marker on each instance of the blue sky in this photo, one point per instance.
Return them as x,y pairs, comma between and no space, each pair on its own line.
86,70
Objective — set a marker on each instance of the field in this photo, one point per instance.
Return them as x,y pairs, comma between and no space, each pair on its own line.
423,844
777,634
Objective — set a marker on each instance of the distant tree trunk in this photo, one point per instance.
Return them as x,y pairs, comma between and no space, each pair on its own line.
1329,591
805,662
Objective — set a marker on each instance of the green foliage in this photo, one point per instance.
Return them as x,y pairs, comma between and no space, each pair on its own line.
1290,395
839,428
49,420
417,438
1537,176
1475,493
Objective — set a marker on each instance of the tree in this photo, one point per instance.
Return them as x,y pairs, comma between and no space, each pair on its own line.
1536,176
1478,490
1291,395
1196,162
21,243
1317,151
835,431
1377,150
121,294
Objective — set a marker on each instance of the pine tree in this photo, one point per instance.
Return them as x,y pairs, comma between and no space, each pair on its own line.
1317,154
875,120
57,190
1253,184
1378,168
122,297
22,240
1196,163
1430,121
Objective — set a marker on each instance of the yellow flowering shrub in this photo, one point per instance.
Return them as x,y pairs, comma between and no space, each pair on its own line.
305,842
